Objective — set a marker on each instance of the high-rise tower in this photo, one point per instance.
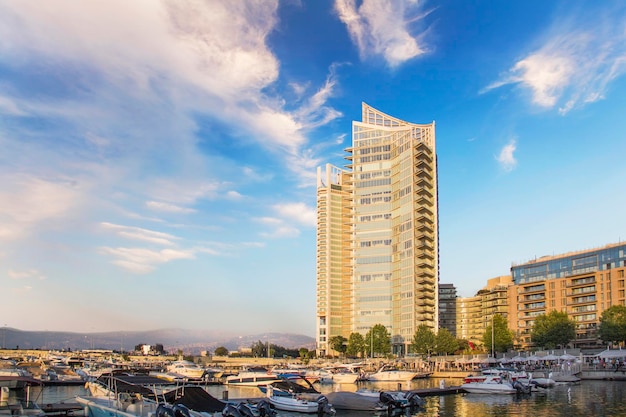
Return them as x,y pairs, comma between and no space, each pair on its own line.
377,236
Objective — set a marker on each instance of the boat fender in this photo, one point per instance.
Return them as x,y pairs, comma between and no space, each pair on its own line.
181,411
164,410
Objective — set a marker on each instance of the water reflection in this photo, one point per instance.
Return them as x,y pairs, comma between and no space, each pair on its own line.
589,398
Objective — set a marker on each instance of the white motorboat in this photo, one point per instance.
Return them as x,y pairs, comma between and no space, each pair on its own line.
495,384
339,375
298,404
186,369
253,377
392,374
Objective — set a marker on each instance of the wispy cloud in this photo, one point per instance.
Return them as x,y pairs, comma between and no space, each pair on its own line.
142,260
167,207
575,65
506,157
29,201
281,232
137,233
383,27
25,274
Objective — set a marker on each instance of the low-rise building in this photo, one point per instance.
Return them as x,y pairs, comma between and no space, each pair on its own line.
583,284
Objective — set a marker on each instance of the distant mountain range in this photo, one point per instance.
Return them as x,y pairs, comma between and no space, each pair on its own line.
191,342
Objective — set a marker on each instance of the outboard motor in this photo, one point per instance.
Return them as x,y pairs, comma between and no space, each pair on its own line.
164,410
324,409
265,409
414,400
180,410
522,388
247,410
229,411
389,400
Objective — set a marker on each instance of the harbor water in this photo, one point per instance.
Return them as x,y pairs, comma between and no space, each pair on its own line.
587,398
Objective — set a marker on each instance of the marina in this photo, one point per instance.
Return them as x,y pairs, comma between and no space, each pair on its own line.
589,397
441,387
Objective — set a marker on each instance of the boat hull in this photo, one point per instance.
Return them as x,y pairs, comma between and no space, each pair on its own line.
294,404
488,388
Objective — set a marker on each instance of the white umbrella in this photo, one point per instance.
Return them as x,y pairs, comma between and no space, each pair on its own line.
616,353
550,357
533,358
489,360
518,359
567,357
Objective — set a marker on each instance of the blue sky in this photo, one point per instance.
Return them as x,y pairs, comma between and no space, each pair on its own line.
157,164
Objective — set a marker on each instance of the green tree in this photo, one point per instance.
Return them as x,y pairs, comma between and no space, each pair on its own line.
221,351
502,339
338,344
446,342
378,340
259,349
356,345
552,330
424,340
613,324
464,346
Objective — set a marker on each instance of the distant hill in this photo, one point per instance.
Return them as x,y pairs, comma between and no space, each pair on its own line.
190,341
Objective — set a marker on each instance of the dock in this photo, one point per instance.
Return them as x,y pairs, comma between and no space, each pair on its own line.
61,408
433,392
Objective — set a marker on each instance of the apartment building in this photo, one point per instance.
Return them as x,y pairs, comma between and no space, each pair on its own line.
447,307
583,284
474,314
377,234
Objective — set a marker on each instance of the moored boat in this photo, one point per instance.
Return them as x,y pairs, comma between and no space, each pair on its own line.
253,377
496,384
296,403
391,373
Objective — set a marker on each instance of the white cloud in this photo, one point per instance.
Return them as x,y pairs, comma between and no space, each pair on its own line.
575,64
137,233
268,220
28,202
29,273
381,27
506,157
233,195
299,212
168,208
280,232
9,107
142,260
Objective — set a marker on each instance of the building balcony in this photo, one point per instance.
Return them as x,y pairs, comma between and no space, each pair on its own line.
425,191
534,299
423,217
534,289
424,254
423,173
580,282
532,308
423,182
581,302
